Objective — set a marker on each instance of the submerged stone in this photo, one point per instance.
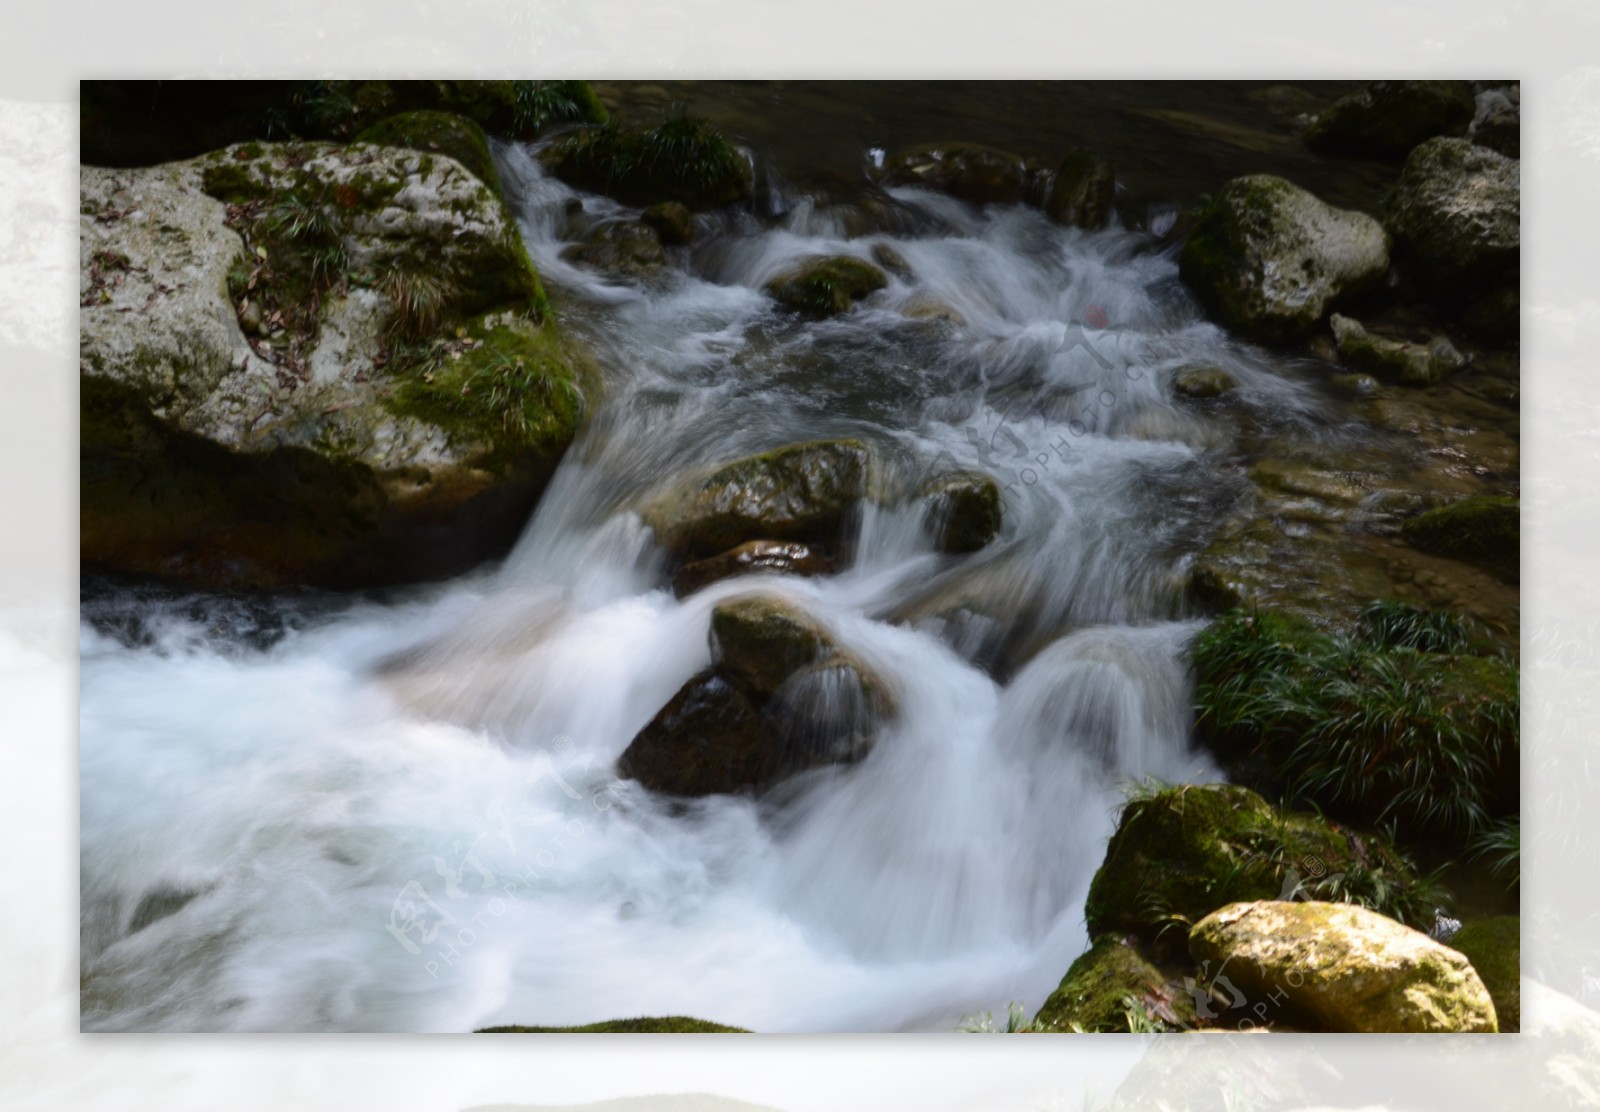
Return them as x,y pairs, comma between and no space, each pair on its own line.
968,171
1082,191
628,249
1396,361
826,285
792,558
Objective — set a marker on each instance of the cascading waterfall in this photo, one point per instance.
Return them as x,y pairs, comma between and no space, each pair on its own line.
401,814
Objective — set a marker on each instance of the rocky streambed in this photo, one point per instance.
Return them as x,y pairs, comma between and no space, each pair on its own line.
554,554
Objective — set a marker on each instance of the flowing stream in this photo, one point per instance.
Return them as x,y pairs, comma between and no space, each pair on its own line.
398,812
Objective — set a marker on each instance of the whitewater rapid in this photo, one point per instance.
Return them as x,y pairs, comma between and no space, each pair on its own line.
398,812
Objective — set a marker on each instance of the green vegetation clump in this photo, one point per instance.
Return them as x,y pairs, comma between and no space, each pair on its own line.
1113,988
1494,947
1180,853
827,285
537,105
1364,724
637,1024
681,159
443,133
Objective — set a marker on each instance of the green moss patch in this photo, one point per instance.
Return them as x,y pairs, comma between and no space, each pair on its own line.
1483,529
442,132
826,285
681,159
637,1024
1113,988
1494,947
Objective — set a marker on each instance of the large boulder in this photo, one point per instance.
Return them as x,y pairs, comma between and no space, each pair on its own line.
1106,983
1388,118
311,364
443,133
1269,260
1483,529
1343,968
803,492
1456,216
780,697
1494,947
1082,191
969,171
1396,361
825,285
1183,852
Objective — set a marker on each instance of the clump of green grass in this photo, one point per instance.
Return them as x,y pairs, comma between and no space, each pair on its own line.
1396,625
537,105
1378,723
681,159
1500,845
419,298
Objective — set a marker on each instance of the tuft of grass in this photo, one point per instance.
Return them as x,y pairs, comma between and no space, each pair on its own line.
536,105
1396,625
681,159
419,298
1500,844
1388,732
1017,1021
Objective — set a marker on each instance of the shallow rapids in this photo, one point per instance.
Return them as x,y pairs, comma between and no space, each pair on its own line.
399,812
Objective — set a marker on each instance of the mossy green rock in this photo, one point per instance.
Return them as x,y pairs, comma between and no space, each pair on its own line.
1082,191
1483,529
759,641
680,1024
1096,992
1269,260
628,249
681,159
1183,852
962,511
1456,216
1388,118
1396,361
972,172
317,364
443,133
824,285
672,221
1494,947
1343,968
804,492
1203,382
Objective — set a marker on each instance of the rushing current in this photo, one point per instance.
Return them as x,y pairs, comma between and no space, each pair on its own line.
399,811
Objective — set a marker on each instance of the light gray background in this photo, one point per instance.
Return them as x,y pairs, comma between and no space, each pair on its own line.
44,1063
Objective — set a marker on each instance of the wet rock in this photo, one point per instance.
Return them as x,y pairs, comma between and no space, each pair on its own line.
1356,386
1388,118
1269,260
759,641
675,1024
1497,121
779,558
1350,969
1298,478
672,222
628,249
973,173
963,511
804,492
1181,853
1394,360
1203,382
892,261
1082,191
1456,217
780,698
219,459
925,308
1104,983
709,738
1494,947
682,159
824,285
1483,529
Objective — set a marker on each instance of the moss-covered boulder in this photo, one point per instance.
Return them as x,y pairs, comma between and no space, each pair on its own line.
804,492
776,558
312,364
678,1024
1183,852
1483,529
1388,118
1269,260
1395,361
962,510
823,285
628,249
781,697
443,133
672,221
1494,947
1106,983
1082,191
682,159
1203,382
972,172
1456,217
1343,968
